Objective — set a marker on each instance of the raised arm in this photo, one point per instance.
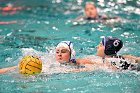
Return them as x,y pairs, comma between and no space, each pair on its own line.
4,70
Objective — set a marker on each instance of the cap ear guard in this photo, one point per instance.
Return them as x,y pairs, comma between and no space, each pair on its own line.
73,54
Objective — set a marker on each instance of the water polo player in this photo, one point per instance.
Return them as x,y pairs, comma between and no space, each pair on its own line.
108,49
65,53
91,13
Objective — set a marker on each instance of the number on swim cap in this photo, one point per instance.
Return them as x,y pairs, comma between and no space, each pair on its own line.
116,43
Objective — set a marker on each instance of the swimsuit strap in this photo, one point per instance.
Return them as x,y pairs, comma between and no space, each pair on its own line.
96,18
73,61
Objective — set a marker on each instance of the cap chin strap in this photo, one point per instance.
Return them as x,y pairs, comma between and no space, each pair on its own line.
104,50
103,59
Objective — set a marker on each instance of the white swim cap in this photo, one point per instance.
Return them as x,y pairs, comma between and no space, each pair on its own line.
68,45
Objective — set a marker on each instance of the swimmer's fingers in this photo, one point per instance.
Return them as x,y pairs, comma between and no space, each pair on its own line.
138,59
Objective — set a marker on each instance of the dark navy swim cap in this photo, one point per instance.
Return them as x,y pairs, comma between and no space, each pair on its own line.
112,45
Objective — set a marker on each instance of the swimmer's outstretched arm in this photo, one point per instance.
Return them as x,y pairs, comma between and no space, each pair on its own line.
8,22
78,18
92,61
4,70
136,58
84,61
87,61
109,18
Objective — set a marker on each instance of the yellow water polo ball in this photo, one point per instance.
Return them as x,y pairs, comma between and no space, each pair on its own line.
30,65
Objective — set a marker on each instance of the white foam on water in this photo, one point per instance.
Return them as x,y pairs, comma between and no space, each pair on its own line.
50,66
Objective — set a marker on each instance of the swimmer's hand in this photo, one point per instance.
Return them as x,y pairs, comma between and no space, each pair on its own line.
138,59
4,70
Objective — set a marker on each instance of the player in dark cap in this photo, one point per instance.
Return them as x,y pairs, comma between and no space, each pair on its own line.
108,49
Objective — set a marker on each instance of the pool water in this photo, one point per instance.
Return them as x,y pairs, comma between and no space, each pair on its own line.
41,24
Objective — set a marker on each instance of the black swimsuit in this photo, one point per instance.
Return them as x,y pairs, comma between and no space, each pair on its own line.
99,18
96,18
122,63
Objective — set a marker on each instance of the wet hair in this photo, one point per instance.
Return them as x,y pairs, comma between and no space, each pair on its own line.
112,45
90,3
